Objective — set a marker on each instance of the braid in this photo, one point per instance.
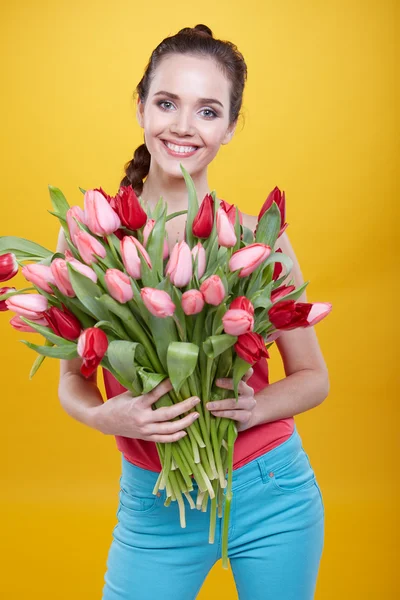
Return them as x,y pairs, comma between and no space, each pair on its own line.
137,169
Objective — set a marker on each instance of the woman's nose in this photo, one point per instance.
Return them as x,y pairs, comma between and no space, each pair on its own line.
182,124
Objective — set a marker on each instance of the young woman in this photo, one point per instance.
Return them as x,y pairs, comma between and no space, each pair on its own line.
189,100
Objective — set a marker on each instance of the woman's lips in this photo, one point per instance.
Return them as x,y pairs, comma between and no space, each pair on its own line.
179,154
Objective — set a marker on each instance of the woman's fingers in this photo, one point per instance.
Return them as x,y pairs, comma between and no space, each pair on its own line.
248,374
166,413
244,403
238,415
160,390
170,426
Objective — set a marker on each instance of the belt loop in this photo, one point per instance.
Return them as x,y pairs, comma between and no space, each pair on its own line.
263,469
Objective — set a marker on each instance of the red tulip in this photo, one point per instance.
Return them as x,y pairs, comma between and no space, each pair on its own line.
192,302
251,347
127,206
92,346
243,303
249,258
39,275
63,323
5,290
277,268
204,219
8,266
225,230
100,218
279,197
158,302
180,266
213,290
289,314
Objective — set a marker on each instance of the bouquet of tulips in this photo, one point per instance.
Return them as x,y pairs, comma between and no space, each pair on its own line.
209,310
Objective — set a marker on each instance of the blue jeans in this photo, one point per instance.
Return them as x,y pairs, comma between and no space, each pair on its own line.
276,534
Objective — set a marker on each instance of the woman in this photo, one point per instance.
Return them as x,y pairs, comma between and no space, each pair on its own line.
189,101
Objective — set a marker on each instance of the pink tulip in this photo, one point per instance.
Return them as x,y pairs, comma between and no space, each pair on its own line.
88,247
31,306
198,250
249,258
8,266
180,266
100,218
158,302
80,267
5,290
130,257
225,229
237,321
39,275
75,212
146,232
213,290
282,290
118,285
319,310
243,303
230,210
19,325
60,272
192,302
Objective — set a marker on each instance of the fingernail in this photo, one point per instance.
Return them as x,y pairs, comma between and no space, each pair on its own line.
210,405
195,416
196,400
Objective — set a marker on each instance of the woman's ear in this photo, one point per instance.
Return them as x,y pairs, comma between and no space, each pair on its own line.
139,112
229,133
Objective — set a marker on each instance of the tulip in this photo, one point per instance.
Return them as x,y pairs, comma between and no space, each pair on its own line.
88,246
237,321
8,266
80,267
279,197
158,302
19,325
100,218
180,265
213,290
192,302
146,232
63,323
130,257
127,206
230,210
282,290
249,258
5,290
289,314
75,212
39,275
118,285
92,346
204,219
198,250
273,336
225,230
243,303
60,272
31,306
251,347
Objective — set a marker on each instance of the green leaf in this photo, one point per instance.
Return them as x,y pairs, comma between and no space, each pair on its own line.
88,293
150,380
240,368
38,361
181,362
269,225
121,355
214,345
64,352
193,206
248,236
9,294
22,248
58,201
154,248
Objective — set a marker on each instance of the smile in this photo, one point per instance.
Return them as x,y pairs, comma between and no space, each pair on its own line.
179,150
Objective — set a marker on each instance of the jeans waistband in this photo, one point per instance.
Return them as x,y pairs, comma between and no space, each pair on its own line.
261,466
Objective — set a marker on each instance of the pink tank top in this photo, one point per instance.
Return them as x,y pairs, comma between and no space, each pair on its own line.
249,444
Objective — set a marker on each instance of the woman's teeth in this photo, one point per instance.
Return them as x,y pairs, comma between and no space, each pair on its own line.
183,149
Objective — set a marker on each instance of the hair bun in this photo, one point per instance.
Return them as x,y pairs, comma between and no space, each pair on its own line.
204,29
197,29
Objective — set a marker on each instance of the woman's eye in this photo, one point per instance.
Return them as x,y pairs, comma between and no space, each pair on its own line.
212,114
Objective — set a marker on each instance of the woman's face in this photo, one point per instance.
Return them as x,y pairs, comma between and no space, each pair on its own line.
187,106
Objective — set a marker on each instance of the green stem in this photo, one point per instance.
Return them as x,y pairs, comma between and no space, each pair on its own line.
217,454
232,434
213,513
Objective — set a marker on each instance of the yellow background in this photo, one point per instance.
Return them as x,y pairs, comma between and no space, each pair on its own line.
321,123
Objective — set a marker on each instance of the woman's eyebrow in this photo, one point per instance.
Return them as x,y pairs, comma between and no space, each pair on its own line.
201,100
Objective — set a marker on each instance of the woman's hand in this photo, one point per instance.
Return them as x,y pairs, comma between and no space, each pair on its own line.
243,410
133,417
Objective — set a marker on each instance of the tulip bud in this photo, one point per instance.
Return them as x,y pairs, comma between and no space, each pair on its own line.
88,247
158,302
237,321
80,267
192,302
8,266
75,212
204,219
282,290
180,267
31,306
213,290
225,230
146,232
279,197
100,218
118,285
130,257
128,208
64,324
277,268
17,324
289,314
92,346
230,210
5,290
249,258
243,303
199,251
251,347
39,275
61,276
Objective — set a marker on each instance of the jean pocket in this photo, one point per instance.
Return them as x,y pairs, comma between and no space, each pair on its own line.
137,501
295,475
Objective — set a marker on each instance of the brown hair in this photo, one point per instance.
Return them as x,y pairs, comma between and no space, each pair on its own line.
198,40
